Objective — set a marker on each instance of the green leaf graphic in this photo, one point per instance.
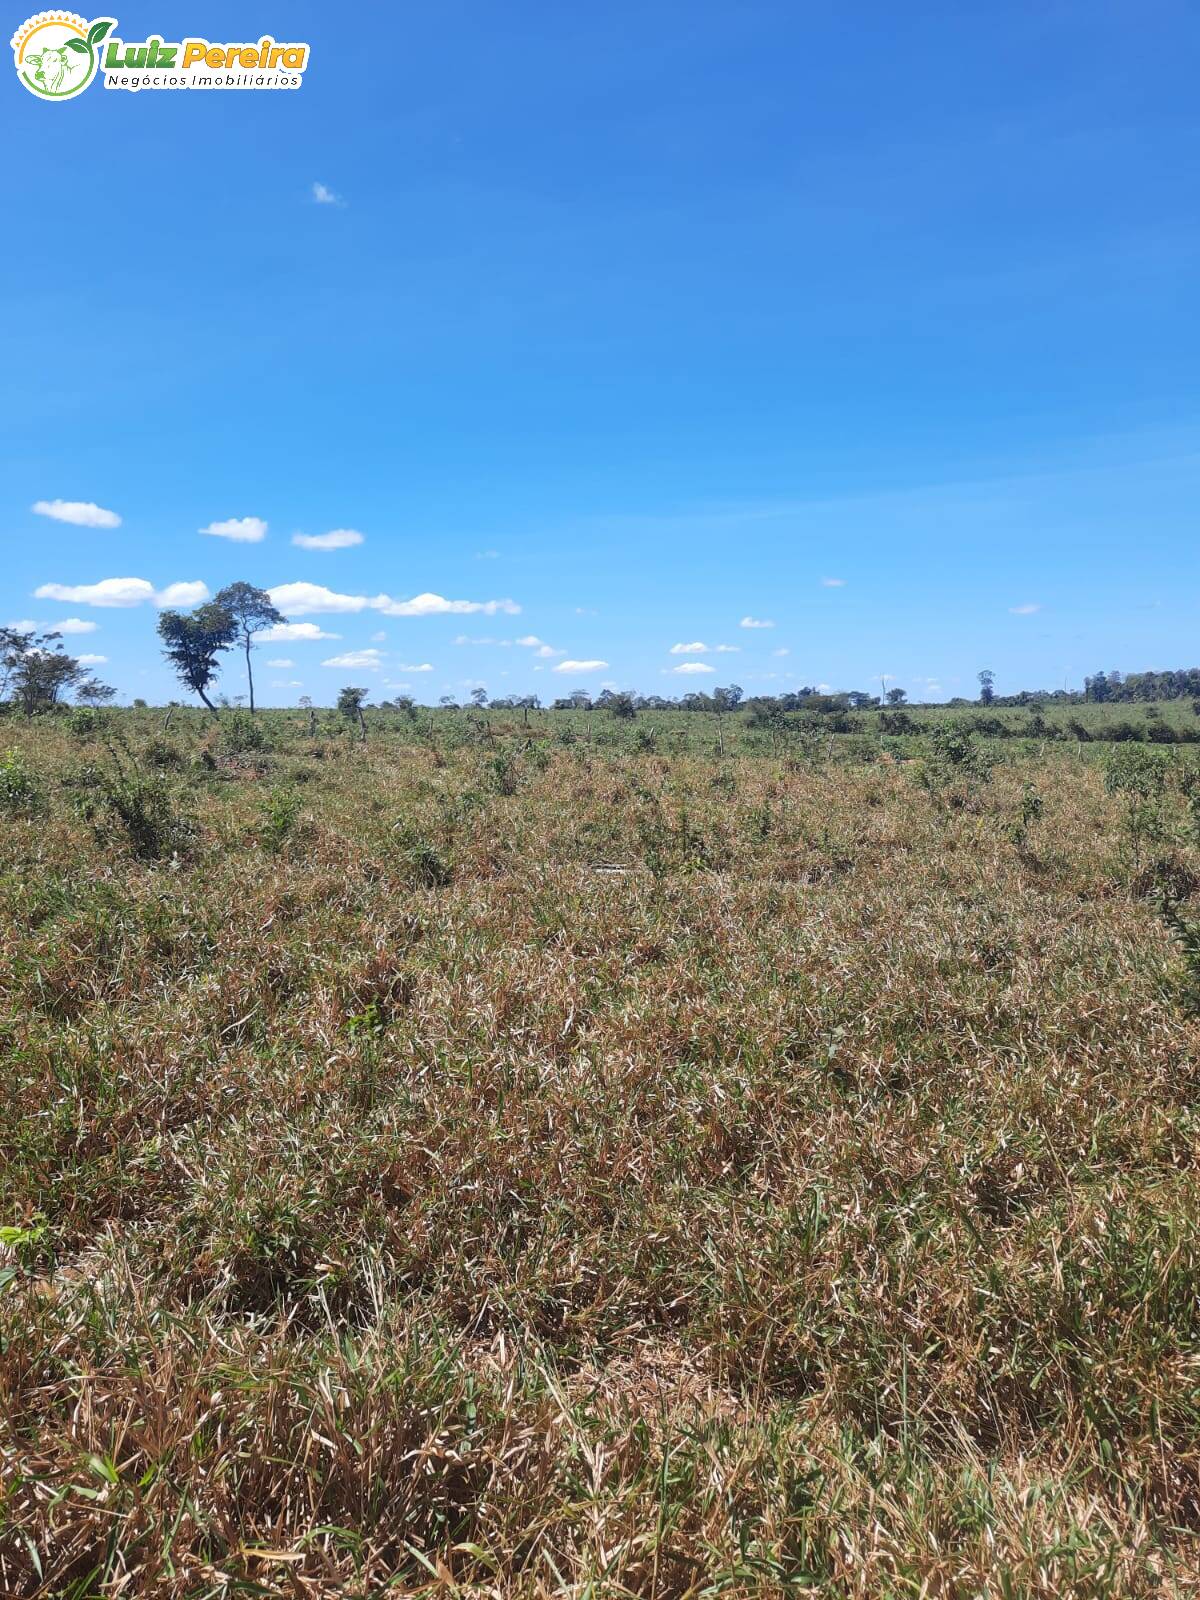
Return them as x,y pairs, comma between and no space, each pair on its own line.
77,44
97,31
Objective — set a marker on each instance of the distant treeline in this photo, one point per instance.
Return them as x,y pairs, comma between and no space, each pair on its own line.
1103,687
1152,729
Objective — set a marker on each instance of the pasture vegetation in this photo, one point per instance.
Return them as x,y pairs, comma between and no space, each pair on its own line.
571,1155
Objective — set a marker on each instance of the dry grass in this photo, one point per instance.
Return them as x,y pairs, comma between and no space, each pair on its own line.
596,1173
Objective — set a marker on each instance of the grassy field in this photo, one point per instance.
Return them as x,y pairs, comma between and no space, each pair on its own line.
493,1161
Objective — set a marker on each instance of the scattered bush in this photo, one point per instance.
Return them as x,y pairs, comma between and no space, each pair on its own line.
1029,811
956,763
242,733
503,774
141,804
278,819
1187,933
85,722
1140,777
419,861
20,792
163,754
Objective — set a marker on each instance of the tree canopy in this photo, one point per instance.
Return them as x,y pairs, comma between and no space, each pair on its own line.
252,611
192,642
38,672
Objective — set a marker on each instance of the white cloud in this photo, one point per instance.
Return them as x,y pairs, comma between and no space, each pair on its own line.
282,664
301,599
755,622
378,638
323,195
693,649
580,666
92,661
182,594
727,649
405,666
294,633
546,651
67,625
487,555
691,667
782,651
335,539
123,592
833,583
81,513
357,660
1027,610
242,530
432,605
289,683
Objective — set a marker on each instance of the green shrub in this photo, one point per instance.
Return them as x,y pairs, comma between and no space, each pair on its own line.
162,753
278,819
1189,782
1029,811
1188,936
141,804
1140,776
956,763
241,733
503,774
20,793
84,722
419,861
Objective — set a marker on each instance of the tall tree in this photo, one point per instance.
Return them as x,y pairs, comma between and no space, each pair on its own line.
14,646
38,669
91,692
252,610
987,690
192,641
350,704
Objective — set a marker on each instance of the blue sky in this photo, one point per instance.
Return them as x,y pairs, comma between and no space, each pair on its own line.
645,318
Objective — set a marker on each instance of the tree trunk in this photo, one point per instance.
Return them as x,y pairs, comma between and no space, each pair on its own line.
212,708
362,723
312,722
167,718
249,675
